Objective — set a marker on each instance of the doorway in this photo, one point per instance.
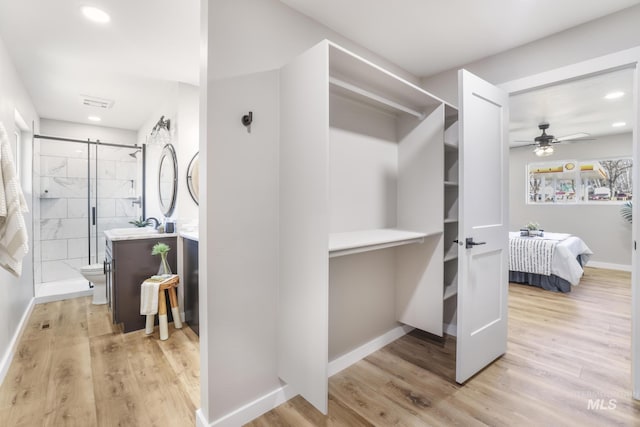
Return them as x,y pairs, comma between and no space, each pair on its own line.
628,58
81,188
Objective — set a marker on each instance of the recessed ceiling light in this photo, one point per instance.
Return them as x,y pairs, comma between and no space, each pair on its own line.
96,15
94,118
618,124
614,95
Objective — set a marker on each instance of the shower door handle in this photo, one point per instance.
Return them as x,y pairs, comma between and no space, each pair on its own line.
93,215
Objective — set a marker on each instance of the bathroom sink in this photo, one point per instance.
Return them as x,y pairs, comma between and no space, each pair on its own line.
131,231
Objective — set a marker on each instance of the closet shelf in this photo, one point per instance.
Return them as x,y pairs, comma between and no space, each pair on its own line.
450,257
450,147
450,184
450,220
371,97
354,242
451,288
450,292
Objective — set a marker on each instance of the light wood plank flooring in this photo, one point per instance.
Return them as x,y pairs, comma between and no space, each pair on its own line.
564,349
73,368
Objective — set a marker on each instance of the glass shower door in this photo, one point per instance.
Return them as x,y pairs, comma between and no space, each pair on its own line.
116,194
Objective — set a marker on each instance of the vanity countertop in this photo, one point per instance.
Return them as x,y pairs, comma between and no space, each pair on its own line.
191,234
135,234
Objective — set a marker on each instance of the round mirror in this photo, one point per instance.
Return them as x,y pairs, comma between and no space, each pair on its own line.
193,177
167,182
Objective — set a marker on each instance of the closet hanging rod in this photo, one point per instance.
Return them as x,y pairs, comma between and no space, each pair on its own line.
108,144
382,100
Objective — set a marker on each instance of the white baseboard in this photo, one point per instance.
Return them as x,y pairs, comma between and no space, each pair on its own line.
201,421
13,345
450,329
366,349
251,410
61,297
280,395
609,266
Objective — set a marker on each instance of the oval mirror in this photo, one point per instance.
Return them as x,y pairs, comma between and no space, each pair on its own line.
167,180
193,177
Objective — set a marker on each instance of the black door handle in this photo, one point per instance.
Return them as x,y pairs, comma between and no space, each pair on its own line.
470,243
93,215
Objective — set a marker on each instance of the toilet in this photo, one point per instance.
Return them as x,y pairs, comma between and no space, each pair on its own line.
95,274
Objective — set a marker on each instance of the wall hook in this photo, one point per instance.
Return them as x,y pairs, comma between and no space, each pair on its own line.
247,119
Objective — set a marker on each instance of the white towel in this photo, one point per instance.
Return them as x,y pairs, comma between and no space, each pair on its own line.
149,293
14,241
149,297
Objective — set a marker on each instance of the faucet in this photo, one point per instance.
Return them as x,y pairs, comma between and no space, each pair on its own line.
154,219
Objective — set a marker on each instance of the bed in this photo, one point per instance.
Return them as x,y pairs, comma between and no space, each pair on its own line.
553,262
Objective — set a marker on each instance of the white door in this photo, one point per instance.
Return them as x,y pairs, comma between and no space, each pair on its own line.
483,225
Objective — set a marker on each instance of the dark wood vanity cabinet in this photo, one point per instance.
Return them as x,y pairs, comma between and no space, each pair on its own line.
191,305
127,264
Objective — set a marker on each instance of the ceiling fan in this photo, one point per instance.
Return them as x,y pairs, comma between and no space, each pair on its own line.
544,141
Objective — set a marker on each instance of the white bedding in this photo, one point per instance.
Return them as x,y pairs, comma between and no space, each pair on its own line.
564,263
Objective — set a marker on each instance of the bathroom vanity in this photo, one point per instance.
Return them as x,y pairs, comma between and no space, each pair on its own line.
190,280
128,262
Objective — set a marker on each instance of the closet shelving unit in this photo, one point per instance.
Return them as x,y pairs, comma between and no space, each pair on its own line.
450,276
361,169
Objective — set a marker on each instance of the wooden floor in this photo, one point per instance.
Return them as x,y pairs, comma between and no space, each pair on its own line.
73,368
567,363
566,352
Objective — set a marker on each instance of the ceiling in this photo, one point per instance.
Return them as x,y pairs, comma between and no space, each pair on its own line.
428,36
136,59
132,60
577,106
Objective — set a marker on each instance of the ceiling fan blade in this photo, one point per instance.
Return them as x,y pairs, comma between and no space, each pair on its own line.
573,136
530,144
569,141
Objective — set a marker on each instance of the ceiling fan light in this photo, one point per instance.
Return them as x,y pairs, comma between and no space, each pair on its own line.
614,95
543,151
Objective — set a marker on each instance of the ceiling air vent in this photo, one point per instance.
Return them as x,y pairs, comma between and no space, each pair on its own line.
94,101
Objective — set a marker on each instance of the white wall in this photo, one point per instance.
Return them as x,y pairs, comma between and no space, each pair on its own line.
83,131
187,145
608,34
182,108
244,37
169,109
16,294
601,226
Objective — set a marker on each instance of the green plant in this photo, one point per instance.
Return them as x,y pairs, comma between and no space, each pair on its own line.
139,222
533,226
626,210
160,248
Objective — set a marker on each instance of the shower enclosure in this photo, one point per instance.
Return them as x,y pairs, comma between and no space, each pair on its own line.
81,188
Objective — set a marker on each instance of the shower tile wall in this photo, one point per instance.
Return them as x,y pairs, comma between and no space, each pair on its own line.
63,204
